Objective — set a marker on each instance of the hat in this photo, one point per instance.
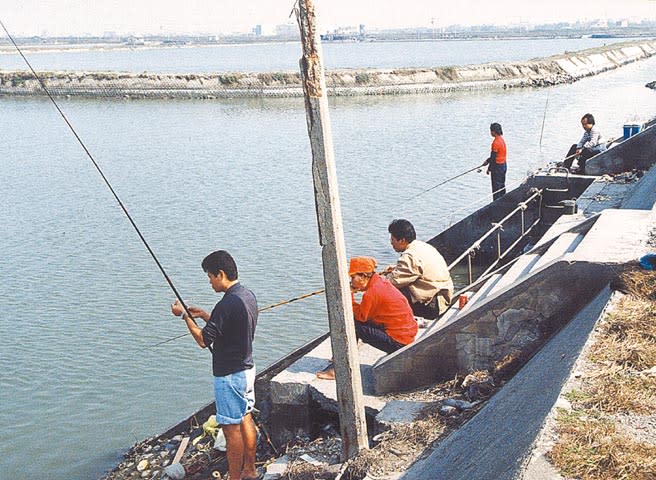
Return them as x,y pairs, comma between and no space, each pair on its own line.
362,265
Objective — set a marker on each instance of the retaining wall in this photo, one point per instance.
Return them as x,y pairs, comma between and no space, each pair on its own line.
565,68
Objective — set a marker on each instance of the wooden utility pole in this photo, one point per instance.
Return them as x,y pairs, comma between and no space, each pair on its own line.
353,426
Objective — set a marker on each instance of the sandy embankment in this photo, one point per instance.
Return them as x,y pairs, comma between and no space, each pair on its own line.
557,69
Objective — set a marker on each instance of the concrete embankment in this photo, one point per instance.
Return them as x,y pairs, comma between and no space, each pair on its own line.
557,69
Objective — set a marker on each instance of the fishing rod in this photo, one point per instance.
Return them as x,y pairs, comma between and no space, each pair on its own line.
544,117
574,155
446,181
263,309
102,174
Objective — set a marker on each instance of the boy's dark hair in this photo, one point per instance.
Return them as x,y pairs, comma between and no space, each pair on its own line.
220,260
496,128
588,118
402,229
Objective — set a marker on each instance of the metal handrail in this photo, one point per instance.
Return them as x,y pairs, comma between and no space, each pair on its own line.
498,227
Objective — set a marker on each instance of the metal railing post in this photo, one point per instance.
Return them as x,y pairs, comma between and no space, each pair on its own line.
469,267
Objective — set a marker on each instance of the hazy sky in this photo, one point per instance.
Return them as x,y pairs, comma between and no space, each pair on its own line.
55,17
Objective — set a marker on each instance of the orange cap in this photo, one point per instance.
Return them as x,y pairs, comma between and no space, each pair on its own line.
362,265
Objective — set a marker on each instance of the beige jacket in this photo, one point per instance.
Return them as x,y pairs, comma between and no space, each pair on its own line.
423,270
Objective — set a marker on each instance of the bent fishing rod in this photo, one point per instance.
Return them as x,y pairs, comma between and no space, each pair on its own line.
102,174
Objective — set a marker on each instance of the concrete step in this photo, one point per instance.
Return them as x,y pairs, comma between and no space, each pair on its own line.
449,315
484,291
565,243
522,266
617,236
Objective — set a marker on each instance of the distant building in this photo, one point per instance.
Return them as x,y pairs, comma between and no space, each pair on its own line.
287,30
258,30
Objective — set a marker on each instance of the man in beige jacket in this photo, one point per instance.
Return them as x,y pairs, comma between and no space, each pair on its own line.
421,273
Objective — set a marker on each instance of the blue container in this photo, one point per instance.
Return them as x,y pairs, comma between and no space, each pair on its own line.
631,129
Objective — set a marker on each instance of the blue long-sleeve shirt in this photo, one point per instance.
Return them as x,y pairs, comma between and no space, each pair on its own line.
590,139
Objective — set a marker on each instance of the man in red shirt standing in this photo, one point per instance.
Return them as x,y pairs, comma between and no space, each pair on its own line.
383,318
497,162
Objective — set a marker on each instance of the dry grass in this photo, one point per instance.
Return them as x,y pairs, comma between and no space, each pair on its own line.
400,446
591,445
628,338
591,449
621,393
637,284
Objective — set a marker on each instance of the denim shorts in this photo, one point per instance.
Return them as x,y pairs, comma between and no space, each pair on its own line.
234,395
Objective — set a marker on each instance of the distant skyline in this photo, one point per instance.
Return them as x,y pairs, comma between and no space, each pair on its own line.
80,17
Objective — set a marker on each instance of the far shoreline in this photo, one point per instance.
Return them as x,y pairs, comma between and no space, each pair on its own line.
96,46
541,72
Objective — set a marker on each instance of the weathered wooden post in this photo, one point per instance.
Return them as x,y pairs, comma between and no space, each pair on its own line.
329,217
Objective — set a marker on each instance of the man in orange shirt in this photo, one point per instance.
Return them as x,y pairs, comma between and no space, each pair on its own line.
497,162
383,318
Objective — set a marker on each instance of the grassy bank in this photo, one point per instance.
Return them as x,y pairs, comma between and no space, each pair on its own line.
610,430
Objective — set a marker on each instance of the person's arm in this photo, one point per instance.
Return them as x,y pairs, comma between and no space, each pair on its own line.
361,311
405,272
584,139
195,330
594,139
491,158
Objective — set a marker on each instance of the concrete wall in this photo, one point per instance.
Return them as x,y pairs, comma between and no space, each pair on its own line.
516,321
638,151
493,444
553,70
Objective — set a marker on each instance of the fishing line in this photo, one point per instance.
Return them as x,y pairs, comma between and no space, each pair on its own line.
102,174
263,309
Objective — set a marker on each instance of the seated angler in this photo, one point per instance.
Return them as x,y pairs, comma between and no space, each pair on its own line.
591,144
421,274
383,318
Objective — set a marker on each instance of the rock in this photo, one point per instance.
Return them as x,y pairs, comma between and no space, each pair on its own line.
146,474
459,404
275,470
174,471
143,465
312,461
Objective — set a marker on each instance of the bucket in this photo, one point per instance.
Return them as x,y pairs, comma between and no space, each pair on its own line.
631,129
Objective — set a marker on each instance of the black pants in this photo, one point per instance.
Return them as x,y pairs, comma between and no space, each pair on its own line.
430,311
498,177
585,154
376,337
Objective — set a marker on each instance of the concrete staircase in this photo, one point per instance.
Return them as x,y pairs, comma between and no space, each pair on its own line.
515,310
522,267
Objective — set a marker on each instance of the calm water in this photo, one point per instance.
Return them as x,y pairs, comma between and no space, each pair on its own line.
284,56
83,302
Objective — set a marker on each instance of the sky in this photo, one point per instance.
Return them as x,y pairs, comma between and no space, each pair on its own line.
95,17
